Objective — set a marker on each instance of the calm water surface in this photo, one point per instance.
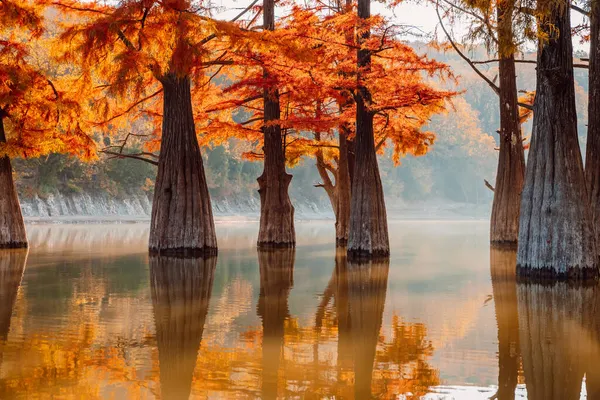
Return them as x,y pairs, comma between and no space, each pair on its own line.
86,313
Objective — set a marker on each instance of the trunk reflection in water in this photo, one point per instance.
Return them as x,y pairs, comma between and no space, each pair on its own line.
276,280
503,263
552,327
181,289
12,264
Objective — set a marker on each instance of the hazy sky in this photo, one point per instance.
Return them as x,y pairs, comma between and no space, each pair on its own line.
408,13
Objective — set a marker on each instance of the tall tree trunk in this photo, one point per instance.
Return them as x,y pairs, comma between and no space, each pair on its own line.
553,340
276,210
592,158
12,226
504,227
367,286
344,195
556,236
276,281
181,289
368,236
182,219
339,192
503,264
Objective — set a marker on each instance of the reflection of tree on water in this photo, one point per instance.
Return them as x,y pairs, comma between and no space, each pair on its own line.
181,289
358,292
367,285
555,338
276,280
503,264
12,264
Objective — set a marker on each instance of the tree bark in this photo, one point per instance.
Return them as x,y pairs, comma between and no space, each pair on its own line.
344,194
367,286
592,158
339,191
12,226
182,219
276,281
503,264
276,210
556,236
368,236
504,227
553,340
181,289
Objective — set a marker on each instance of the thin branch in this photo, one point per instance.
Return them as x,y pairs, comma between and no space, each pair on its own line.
488,185
580,10
493,60
137,103
464,57
133,156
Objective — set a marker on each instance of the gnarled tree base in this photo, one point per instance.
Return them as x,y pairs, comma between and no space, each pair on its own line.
182,221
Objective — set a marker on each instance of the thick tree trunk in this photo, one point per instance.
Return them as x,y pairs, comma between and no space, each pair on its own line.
556,236
368,236
367,286
12,226
592,158
181,289
503,264
276,281
553,340
182,220
504,227
276,210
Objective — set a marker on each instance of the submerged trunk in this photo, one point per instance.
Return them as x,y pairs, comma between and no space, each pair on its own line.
12,226
181,289
553,339
502,265
592,158
276,281
367,286
276,210
182,219
556,236
368,236
504,227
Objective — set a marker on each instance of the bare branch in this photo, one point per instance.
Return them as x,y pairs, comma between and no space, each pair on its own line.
461,54
488,185
133,156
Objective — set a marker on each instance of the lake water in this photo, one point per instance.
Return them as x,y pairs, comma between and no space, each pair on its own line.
86,314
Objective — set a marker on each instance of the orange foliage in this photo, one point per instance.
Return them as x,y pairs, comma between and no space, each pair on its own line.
35,108
125,50
311,58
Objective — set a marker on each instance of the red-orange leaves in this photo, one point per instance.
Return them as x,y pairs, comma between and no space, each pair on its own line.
37,116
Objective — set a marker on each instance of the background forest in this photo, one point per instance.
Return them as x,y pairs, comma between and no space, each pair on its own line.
447,181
